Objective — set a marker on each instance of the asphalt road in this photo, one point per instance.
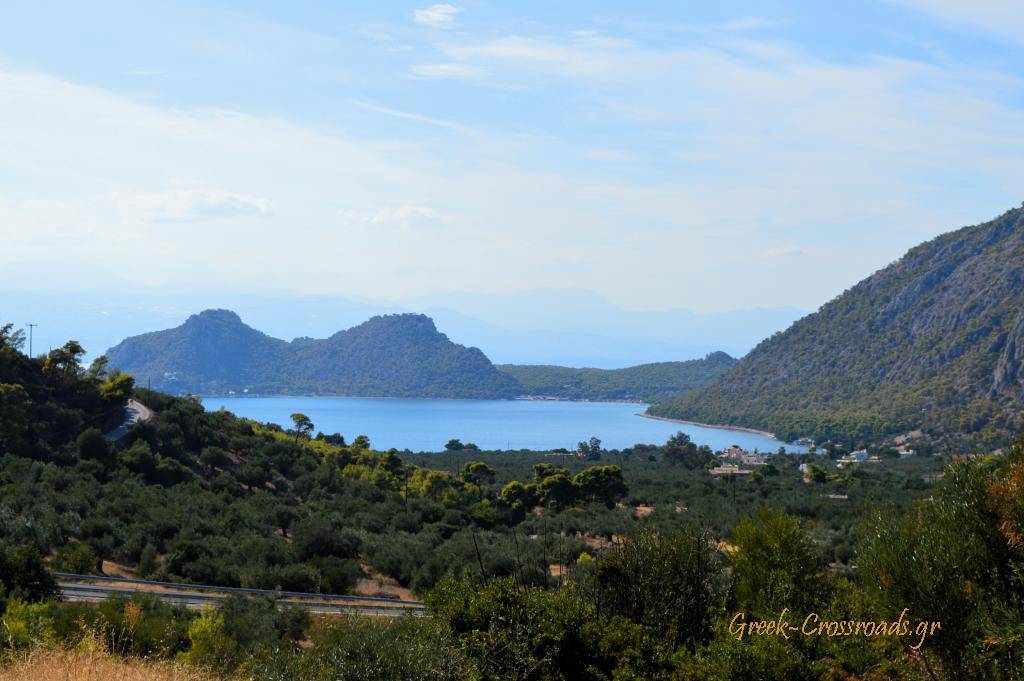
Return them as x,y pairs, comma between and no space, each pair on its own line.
134,412
72,591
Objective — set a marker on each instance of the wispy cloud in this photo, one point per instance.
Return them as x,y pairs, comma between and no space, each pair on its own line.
749,24
1001,17
577,56
785,252
145,73
403,217
610,155
724,144
449,70
417,118
437,16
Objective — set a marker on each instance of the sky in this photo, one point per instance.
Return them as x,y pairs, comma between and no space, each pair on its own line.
709,156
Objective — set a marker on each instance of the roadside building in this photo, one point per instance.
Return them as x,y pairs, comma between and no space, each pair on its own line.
859,456
729,469
734,453
753,459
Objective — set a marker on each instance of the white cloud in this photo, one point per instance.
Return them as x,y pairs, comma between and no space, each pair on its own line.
192,205
437,16
449,70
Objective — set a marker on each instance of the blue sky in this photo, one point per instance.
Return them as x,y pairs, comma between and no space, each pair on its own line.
710,156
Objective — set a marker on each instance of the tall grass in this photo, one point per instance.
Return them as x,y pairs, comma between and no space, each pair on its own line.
94,665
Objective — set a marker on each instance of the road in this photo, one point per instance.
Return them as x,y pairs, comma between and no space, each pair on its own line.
134,412
316,603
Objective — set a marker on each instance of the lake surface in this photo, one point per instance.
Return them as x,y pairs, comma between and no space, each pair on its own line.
426,424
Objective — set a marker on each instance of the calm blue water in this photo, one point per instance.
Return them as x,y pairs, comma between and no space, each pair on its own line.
425,424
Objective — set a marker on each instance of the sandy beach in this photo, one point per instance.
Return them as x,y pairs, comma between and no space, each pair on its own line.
710,425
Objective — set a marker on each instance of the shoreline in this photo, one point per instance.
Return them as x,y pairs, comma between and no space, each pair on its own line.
372,397
739,429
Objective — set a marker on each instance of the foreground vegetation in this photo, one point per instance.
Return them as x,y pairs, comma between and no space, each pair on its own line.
631,564
653,606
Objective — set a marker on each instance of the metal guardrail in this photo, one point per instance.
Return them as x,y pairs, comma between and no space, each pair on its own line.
95,593
412,605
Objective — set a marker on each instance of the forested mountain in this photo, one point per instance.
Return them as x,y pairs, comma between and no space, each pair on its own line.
401,355
645,382
388,356
934,341
213,351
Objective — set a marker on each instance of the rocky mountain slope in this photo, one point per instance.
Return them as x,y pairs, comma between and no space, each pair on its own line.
934,341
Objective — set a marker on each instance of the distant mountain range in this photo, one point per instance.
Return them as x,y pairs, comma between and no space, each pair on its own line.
556,326
401,355
934,341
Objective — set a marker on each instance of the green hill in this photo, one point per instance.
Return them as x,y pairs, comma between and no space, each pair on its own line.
645,382
388,356
934,341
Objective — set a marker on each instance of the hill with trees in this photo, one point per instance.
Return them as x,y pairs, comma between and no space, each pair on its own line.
203,496
403,355
642,383
933,342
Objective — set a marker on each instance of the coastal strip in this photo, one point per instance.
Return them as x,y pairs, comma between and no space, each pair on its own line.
740,429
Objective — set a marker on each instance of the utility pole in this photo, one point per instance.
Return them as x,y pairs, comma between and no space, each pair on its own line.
30,327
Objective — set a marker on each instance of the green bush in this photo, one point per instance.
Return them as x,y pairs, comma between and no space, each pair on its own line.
79,558
359,649
27,625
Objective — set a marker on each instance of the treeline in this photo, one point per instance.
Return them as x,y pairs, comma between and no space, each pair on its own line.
644,383
810,410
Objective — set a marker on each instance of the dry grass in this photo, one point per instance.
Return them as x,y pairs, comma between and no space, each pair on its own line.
82,665
375,583
643,510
